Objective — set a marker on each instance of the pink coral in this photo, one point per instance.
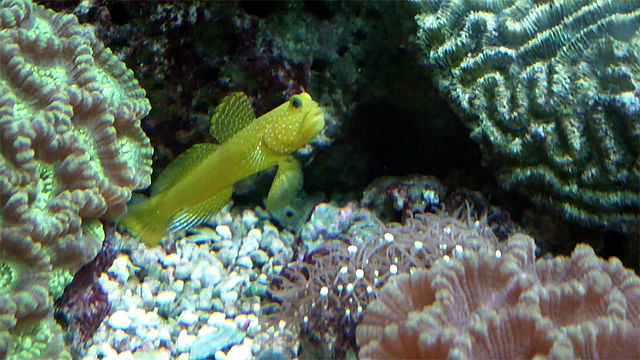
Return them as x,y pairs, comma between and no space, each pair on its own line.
501,303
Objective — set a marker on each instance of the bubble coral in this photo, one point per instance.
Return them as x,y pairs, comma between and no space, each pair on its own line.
501,303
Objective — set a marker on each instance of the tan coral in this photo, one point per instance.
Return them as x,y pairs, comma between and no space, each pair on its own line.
71,145
483,303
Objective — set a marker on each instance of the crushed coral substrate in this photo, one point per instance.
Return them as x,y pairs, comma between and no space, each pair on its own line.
201,299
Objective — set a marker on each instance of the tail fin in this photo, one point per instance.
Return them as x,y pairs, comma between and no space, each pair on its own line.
143,221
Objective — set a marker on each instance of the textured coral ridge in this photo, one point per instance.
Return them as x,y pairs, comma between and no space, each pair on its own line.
552,90
495,304
71,151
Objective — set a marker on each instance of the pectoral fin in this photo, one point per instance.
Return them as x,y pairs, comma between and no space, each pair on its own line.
200,212
286,184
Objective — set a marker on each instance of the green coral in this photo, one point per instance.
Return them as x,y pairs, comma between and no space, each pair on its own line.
71,152
551,91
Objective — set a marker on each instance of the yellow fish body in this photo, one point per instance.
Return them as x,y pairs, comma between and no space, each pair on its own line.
199,182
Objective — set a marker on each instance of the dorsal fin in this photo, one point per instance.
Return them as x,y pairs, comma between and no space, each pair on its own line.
182,166
232,115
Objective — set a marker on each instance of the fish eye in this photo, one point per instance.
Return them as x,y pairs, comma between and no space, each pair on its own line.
296,102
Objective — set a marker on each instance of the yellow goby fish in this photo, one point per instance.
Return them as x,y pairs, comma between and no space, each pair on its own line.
199,182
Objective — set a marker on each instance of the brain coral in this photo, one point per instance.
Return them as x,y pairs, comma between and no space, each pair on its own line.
551,91
502,304
71,151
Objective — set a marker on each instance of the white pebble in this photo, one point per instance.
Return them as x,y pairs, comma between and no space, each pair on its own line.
108,285
208,274
184,342
150,319
161,354
229,298
239,352
231,284
171,260
135,313
204,299
187,318
216,318
120,268
178,286
249,219
146,295
244,262
224,231
187,251
249,244
107,352
151,335
164,334
183,356
165,297
126,355
220,355
119,336
119,320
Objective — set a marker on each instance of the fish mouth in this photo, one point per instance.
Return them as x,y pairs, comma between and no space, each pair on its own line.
313,123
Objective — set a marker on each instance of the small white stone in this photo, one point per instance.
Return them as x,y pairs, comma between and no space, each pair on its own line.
178,286
208,274
244,262
183,271
254,325
220,355
232,283
107,352
186,252
119,320
249,219
120,268
147,296
161,354
152,335
171,260
224,231
183,356
141,332
164,334
135,313
165,297
204,298
184,342
119,336
130,300
229,298
239,352
108,285
227,256
249,244
255,234
150,319
125,355
216,318
187,318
